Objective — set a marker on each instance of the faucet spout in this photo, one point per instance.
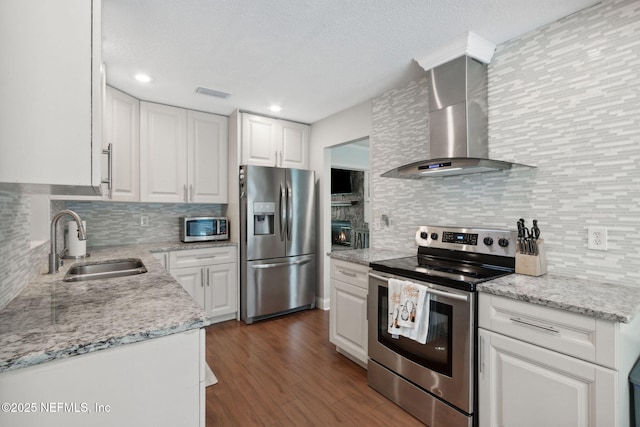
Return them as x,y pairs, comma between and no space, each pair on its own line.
54,257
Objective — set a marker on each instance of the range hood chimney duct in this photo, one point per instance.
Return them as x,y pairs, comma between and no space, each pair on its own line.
458,123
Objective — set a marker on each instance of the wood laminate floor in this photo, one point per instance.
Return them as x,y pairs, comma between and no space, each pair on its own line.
285,372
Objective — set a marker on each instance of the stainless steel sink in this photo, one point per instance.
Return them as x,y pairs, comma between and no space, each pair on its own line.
105,269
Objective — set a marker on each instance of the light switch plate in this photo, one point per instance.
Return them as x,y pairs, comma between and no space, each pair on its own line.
597,238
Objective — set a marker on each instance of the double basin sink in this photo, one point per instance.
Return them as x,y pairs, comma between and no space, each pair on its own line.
105,269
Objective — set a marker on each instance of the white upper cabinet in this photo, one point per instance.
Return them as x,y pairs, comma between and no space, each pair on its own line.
183,155
294,152
122,120
259,140
207,157
52,86
273,142
163,153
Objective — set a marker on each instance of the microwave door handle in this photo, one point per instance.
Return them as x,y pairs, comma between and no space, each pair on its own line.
282,212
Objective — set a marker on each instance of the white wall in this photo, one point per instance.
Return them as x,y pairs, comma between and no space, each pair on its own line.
350,156
349,125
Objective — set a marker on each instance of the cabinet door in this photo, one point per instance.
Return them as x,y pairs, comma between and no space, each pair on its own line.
163,153
348,323
207,157
527,386
192,281
294,149
163,257
122,119
109,382
259,140
51,86
221,290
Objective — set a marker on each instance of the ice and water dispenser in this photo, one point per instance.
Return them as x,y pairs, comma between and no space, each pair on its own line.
263,217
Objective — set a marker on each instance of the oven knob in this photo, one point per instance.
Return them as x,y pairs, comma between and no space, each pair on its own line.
434,236
488,241
424,235
503,243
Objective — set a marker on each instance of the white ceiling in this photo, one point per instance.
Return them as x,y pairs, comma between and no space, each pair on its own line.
313,57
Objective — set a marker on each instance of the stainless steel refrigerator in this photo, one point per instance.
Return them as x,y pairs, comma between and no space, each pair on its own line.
277,241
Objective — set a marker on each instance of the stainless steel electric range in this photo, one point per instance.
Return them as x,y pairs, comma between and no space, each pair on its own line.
436,381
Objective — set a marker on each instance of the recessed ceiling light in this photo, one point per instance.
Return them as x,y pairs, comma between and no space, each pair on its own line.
143,78
275,108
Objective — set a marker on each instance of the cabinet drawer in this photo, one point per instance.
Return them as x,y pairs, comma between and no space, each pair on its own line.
349,272
584,337
200,257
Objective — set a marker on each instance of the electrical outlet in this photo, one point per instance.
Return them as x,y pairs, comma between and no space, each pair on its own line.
597,238
144,221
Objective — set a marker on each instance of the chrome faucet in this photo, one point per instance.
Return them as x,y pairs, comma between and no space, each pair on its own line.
54,258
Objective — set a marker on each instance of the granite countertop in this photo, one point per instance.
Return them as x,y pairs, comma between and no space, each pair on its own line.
615,302
52,319
365,256
619,303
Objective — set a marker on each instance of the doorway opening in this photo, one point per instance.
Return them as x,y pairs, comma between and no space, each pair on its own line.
350,195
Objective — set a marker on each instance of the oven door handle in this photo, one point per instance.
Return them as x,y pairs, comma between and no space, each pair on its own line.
429,290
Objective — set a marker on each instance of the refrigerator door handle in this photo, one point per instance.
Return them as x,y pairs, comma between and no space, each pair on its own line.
289,212
283,212
280,264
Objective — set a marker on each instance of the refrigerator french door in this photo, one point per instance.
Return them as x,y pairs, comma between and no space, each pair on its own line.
277,241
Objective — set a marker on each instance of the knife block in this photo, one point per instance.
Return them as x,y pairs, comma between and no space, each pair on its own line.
532,265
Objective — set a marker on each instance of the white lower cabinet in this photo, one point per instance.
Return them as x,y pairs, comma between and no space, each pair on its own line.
348,316
191,279
163,257
157,382
210,276
527,386
541,366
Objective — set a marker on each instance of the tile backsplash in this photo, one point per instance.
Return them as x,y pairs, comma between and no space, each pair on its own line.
107,224
564,98
111,223
19,262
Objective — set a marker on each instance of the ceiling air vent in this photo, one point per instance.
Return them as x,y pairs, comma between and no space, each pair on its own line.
211,92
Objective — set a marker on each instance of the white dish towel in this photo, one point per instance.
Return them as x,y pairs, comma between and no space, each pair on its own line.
408,310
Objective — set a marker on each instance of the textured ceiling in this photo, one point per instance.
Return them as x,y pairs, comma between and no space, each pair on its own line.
313,57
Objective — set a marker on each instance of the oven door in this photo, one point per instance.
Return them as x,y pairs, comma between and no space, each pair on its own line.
444,365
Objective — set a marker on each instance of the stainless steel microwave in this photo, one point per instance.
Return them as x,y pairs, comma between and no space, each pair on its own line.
203,228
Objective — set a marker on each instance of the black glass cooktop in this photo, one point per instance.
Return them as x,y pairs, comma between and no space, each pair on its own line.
459,274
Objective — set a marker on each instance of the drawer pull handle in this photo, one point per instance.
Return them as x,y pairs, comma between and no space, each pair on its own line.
205,257
535,325
348,273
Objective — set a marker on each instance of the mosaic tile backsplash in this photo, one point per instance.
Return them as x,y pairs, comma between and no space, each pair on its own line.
111,223
564,98
19,263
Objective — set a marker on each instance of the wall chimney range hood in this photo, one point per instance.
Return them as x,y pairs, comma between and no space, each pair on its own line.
458,123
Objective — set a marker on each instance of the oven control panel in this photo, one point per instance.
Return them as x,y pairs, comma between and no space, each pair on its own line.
460,238
481,240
